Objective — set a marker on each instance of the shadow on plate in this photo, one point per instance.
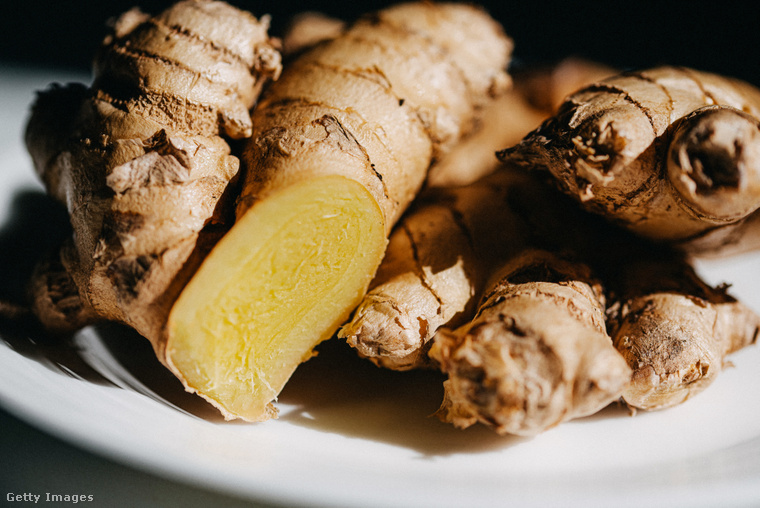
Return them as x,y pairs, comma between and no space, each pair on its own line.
341,393
335,392
35,225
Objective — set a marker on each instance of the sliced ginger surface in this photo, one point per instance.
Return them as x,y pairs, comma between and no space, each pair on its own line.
278,284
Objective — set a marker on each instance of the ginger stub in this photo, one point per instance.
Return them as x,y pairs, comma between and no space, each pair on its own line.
466,221
674,330
535,354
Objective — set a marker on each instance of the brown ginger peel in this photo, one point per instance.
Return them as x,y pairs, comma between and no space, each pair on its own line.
536,353
610,143
141,161
470,218
437,261
674,330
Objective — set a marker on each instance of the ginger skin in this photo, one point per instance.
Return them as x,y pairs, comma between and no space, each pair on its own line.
535,354
535,96
673,329
441,255
436,265
670,153
141,161
463,224
458,44
443,251
307,29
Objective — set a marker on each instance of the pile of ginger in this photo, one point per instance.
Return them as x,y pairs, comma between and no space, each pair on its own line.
237,199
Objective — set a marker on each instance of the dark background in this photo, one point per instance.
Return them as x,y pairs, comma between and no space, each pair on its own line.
718,36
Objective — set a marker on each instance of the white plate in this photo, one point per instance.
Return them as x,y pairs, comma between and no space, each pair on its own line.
352,435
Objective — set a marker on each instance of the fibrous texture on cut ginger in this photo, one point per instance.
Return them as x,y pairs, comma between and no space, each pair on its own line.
670,153
141,161
342,144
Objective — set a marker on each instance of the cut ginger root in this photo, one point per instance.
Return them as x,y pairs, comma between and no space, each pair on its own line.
342,144
236,335
363,196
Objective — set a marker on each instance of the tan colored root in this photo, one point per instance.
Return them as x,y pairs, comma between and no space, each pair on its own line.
610,143
419,287
674,330
138,159
364,106
308,29
508,119
440,254
505,122
535,355
436,265
370,109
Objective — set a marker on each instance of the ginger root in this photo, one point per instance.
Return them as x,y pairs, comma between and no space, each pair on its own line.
464,224
437,262
536,353
307,29
535,96
670,153
673,329
141,161
363,118
342,144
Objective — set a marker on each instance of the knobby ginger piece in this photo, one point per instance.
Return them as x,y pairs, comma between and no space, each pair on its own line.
434,269
141,161
535,355
674,330
439,258
466,222
670,153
